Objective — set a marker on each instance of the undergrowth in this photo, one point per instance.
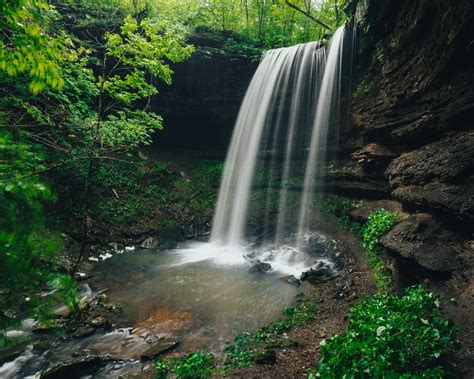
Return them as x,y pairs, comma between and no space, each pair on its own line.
390,336
246,350
379,222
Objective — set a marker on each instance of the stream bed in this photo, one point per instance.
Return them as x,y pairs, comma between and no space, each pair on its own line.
197,296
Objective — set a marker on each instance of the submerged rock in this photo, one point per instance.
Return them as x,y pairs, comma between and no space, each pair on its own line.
73,368
291,279
83,331
9,353
260,268
159,347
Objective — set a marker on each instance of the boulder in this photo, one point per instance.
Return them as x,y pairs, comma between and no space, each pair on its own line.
260,268
99,322
291,279
437,176
427,241
319,273
373,156
160,346
150,243
361,213
73,368
83,331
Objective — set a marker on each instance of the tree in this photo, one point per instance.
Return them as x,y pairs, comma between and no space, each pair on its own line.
131,60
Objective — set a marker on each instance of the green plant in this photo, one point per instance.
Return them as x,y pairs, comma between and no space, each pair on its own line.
379,222
389,336
246,349
29,250
338,208
194,365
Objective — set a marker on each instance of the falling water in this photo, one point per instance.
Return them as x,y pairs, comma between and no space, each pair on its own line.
267,91
328,102
280,134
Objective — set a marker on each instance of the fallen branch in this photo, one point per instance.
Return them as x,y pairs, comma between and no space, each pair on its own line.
318,21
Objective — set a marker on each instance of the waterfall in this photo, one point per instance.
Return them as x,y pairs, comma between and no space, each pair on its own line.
328,105
279,131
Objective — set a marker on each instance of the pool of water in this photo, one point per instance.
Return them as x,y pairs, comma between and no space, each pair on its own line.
201,293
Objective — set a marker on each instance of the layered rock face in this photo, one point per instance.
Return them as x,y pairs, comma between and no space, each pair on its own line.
200,107
412,139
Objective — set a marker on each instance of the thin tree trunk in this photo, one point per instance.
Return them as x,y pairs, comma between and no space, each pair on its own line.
318,21
90,171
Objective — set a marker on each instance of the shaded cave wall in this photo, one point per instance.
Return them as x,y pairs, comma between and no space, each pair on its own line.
201,105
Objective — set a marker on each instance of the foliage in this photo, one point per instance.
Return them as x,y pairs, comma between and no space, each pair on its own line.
26,44
29,251
338,208
390,336
250,25
379,222
245,349
194,365
364,87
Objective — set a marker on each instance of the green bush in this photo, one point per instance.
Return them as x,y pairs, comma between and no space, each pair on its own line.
379,222
390,336
194,365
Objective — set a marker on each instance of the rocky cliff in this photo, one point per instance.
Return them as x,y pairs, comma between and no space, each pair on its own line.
411,140
200,107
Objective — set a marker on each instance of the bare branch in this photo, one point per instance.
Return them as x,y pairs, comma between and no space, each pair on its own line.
318,21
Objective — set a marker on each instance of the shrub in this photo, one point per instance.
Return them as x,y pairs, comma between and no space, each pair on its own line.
379,222
389,336
194,365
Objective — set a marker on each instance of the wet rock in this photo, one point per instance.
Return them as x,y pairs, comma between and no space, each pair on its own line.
83,331
140,230
11,352
189,232
82,276
319,273
73,368
260,268
291,279
159,347
438,176
266,356
361,213
373,156
99,322
150,243
427,241
46,327
342,291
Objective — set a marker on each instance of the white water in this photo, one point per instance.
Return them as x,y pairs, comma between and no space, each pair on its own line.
289,84
328,100
265,97
234,192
